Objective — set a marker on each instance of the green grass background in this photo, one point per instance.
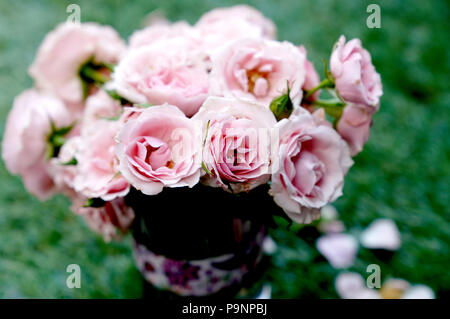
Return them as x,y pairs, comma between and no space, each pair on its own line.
402,174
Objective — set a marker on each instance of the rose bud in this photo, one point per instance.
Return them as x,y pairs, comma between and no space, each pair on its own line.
355,76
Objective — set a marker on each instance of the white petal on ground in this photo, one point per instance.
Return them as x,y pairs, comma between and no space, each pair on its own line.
401,289
269,246
381,234
419,292
351,285
266,292
333,226
339,249
329,212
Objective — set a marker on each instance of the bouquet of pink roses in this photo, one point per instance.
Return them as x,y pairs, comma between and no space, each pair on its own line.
221,104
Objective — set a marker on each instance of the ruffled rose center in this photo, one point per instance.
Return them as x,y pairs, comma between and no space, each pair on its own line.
253,72
164,77
236,150
369,77
105,160
257,82
309,172
187,78
152,151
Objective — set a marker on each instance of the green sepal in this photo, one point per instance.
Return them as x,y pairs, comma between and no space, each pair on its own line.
73,161
89,202
112,118
113,94
327,72
206,169
90,74
56,139
324,84
94,202
206,133
143,105
63,130
333,108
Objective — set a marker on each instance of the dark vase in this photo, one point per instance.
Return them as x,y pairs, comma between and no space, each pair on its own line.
200,241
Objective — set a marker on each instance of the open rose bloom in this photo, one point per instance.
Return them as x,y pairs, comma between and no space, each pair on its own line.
65,50
313,163
220,105
237,142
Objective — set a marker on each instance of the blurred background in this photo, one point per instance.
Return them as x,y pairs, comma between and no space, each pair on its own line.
402,174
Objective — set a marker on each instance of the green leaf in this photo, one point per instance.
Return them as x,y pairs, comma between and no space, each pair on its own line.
333,108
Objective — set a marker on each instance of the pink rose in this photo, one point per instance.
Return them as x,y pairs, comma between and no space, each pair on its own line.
312,78
160,147
161,32
111,220
94,173
217,36
313,163
131,113
237,143
24,144
65,50
224,22
97,168
100,106
155,17
169,71
354,126
259,70
38,181
63,175
355,76
319,117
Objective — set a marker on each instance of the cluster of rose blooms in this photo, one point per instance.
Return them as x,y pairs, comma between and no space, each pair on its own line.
178,105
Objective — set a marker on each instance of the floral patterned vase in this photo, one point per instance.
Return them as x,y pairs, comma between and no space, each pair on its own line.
199,242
